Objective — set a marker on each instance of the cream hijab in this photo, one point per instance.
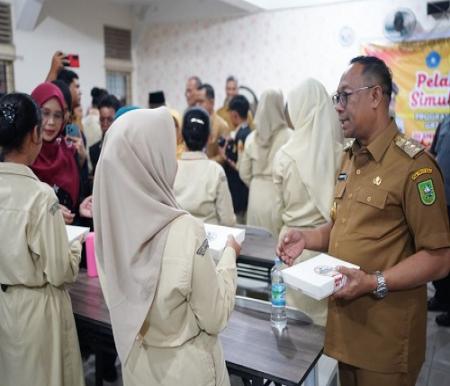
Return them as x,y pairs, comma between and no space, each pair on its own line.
133,204
317,142
269,120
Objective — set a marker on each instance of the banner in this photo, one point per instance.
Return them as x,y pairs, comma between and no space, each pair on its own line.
421,73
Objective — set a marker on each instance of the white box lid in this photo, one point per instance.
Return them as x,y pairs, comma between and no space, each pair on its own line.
302,276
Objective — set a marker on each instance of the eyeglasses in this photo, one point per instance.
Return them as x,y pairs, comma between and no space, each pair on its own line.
47,114
342,97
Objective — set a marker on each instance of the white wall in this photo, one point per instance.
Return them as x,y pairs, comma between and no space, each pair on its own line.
263,50
70,26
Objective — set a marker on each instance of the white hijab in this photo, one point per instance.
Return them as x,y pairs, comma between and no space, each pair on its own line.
133,204
317,142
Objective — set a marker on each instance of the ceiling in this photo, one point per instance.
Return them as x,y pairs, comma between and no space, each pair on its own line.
187,10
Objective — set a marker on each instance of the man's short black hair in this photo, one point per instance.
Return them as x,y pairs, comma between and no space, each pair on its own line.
232,78
109,101
198,81
209,90
239,103
65,91
67,76
377,70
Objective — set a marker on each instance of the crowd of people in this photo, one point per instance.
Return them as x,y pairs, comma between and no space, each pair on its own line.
146,179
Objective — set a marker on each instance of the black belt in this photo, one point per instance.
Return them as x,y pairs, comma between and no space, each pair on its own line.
4,287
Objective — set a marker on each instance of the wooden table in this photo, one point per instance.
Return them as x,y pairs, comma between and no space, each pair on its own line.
252,349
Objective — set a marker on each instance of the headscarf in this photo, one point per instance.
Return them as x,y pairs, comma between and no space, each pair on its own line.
133,206
125,109
56,164
269,120
317,142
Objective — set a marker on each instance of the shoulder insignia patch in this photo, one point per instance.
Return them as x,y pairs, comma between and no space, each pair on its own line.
426,192
421,171
54,208
409,146
203,248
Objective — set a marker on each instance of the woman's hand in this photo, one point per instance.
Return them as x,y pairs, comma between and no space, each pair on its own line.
231,242
86,207
67,214
78,144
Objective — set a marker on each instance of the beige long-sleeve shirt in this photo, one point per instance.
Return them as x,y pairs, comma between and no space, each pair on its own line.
193,303
201,188
35,262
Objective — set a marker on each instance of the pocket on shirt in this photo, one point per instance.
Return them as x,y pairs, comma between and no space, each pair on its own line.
367,214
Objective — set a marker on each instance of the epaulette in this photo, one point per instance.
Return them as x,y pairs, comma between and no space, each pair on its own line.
409,145
348,143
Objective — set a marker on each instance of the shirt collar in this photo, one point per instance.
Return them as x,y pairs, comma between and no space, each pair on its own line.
380,144
193,155
17,169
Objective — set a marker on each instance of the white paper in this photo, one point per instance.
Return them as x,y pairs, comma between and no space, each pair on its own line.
75,232
218,235
303,276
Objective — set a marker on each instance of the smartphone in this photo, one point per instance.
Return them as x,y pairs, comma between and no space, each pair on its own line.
73,130
73,59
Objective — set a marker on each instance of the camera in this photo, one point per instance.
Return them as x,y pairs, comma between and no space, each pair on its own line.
221,141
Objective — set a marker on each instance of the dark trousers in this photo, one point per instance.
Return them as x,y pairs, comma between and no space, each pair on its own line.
442,286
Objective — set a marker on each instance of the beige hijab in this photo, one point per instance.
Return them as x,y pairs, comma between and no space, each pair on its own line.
269,120
317,142
133,204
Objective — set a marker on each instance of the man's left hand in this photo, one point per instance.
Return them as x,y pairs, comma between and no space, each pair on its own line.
358,283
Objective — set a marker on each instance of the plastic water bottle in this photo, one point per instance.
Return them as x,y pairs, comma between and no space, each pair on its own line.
278,316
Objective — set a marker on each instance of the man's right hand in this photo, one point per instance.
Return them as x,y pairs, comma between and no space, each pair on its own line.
291,246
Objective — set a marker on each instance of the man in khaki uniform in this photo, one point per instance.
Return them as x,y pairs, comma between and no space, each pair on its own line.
389,217
231,90
219,127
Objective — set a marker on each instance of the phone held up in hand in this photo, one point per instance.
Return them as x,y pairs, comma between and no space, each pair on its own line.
73,60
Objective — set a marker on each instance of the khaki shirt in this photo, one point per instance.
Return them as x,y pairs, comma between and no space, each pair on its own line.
389,204
193,302
38,339
219,128
201,188
224,113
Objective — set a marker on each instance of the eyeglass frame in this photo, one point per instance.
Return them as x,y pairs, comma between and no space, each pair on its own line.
337,98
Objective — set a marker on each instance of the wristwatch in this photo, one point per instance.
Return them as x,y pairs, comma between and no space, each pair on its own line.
382,290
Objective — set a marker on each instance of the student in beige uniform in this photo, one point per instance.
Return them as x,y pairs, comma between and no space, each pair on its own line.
38,339
201,187
255,166
167,299
304,173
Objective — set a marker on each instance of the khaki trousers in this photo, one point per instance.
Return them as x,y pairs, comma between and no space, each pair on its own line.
354,376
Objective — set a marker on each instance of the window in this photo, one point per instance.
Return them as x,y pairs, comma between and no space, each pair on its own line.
118,63
119,84
7,50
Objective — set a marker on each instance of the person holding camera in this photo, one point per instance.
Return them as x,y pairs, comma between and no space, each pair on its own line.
231,148
201,186
39,344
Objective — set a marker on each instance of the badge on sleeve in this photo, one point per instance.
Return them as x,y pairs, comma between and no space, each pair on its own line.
54,208
203,248
426,191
